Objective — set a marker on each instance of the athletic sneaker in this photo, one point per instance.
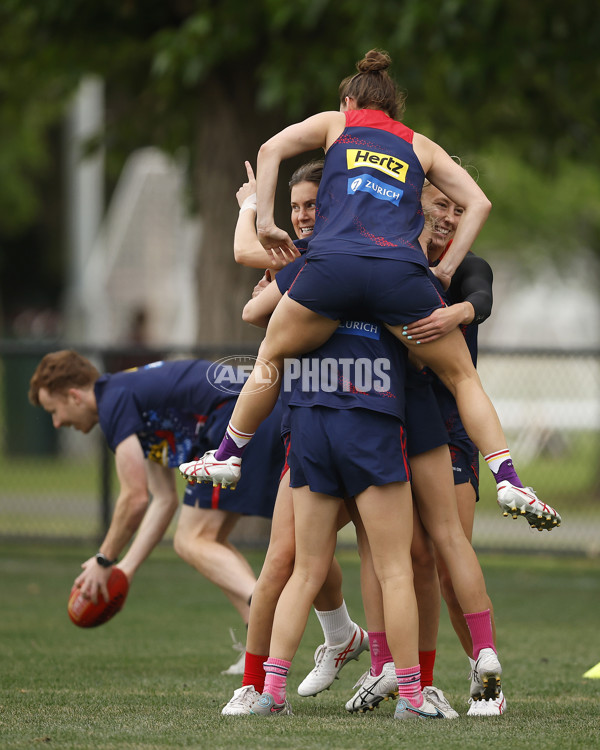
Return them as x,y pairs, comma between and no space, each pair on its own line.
406,710
238,666
208,469
241,701
486,676
491,707
330,659
374,689
523,501
437,698
265,705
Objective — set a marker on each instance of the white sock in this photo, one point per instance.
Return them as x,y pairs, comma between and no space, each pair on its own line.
336,624
495,460
241,439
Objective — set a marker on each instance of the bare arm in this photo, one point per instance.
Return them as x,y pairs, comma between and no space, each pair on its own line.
443,172
162,508
128,513
318,131
471,296
265,297
440,322
247,249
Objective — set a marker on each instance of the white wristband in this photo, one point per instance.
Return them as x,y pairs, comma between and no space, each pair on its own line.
250,202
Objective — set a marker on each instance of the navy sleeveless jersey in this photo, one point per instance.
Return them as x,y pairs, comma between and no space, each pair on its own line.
369,199
166,404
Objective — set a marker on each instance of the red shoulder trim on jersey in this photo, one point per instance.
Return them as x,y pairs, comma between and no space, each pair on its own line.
374,118
444,251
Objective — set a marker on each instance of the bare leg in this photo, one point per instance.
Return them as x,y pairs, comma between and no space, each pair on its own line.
465,495
369,584
293,330
330,596
276,570
316,531
433,485
201,539
449,358
427,587
386,513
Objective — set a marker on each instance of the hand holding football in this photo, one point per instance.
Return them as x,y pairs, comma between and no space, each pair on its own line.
85,614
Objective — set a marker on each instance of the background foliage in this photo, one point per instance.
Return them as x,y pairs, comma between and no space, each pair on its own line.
507,85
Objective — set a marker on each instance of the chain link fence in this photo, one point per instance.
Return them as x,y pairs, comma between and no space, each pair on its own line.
60,485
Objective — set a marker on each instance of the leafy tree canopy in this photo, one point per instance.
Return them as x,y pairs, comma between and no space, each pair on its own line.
491,79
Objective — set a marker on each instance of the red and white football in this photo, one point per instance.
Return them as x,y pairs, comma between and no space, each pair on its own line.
86,614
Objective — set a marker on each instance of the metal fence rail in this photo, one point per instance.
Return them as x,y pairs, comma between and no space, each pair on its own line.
59,485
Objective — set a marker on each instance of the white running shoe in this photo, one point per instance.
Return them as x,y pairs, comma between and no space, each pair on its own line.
265,706
240,663
486,676
437,698
523,501
330,659
208,469
492,707
406,710
241,701
238,666
374,689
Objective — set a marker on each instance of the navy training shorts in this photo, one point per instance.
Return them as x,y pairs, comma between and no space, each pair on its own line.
342,452
340,286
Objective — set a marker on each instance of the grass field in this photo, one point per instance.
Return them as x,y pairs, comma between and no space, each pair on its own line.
151,677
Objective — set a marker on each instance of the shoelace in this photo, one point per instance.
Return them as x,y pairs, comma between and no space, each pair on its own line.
362,678
237,645
440,697
319,656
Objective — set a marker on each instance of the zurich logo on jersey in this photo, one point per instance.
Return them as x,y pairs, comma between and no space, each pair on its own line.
366,183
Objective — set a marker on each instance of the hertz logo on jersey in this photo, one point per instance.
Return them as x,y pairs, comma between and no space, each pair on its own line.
360,158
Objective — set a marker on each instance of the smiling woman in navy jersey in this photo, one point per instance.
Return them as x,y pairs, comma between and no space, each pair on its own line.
365,261
344,639
367,342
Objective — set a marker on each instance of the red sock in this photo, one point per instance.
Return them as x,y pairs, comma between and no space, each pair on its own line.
426,661
254,672
480,627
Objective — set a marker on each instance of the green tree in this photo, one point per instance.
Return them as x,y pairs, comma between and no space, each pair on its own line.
501,82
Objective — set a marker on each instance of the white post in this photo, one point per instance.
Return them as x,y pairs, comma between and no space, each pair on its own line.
84,176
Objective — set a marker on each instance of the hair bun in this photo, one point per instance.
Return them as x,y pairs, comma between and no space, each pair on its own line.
374,61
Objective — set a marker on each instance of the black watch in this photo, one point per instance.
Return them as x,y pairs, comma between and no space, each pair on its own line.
103,560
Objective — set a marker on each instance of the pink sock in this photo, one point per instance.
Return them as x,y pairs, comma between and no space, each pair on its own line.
409,685
480,627
380,651
276,671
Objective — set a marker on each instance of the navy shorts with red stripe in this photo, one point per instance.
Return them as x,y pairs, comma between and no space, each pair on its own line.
342,452
361,287
262,463
465,464
425,428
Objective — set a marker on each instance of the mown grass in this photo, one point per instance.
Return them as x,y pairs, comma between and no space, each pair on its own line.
151,677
